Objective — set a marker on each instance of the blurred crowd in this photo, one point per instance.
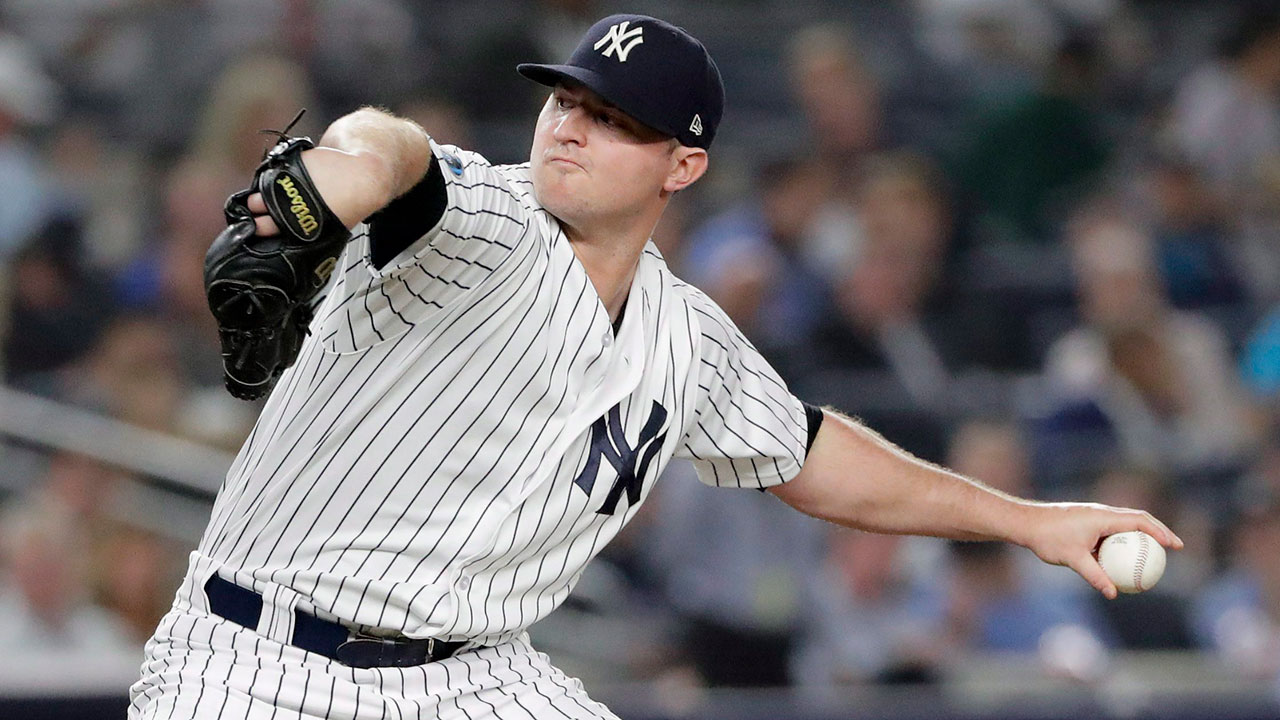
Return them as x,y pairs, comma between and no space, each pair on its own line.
1038,242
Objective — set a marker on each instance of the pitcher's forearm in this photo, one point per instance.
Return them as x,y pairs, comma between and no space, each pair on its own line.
854,477
398,150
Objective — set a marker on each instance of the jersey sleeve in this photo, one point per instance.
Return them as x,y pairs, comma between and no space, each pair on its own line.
485,216
747,429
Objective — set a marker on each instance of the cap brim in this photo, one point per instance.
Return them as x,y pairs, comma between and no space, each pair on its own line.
552,75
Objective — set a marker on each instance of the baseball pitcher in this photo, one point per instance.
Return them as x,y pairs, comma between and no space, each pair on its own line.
474,375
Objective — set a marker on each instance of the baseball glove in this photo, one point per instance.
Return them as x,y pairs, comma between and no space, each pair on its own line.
260,288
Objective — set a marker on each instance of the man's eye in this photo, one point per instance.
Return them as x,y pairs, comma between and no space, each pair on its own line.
563,104
607,120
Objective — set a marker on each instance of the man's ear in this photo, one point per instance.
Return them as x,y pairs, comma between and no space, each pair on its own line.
687,165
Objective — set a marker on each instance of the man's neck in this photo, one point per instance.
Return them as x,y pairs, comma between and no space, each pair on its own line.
610,261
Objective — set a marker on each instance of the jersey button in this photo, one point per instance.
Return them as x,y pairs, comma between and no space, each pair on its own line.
464,582
608,338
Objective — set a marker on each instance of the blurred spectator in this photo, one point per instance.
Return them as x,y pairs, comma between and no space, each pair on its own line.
1226,117
991,606
871,620
886,292
887,352
1237,615
1260,366
359,53
27,98
60,309
751,258
995,452
1154,384
105,185
443,119
136,573
1027,158
997,47
1193,238
58,306
841,101
166,278
481,73
131,374
44,604
79,487
838,95
130,70
733,564
258,92
356,52
135,374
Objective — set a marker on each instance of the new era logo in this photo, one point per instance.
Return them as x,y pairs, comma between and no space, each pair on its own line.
616,37
696,126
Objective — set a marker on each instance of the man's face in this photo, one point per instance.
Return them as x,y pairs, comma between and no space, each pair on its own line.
592,164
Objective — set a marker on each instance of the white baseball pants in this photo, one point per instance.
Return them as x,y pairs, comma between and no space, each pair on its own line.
199,665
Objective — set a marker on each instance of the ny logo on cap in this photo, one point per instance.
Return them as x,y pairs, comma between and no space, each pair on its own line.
695,127
617,35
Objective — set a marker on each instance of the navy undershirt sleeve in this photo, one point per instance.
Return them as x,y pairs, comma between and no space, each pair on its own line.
408,217
814,417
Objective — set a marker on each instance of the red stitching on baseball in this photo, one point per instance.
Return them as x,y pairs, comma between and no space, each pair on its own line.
1141,564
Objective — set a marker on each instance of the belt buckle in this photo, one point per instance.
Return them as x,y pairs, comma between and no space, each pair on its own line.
363,651
370,651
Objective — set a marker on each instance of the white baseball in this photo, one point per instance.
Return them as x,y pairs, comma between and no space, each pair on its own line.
1133,560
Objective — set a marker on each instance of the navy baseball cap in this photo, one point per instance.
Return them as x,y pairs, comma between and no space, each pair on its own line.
652,70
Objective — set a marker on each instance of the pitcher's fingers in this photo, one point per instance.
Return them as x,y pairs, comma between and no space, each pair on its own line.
266,226
1089,569
1148,524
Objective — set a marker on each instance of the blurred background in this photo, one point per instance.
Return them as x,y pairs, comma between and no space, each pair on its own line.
1036,241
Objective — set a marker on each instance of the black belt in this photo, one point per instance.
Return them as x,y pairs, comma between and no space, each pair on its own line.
325,637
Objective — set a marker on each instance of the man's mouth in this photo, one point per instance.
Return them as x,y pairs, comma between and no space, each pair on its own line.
564,161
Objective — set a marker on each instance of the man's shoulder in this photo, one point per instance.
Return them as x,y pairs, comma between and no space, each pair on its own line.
470,169
519,181
706,318
657,273
484,190
520,176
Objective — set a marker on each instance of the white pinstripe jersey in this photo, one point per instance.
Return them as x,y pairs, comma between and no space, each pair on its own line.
463,431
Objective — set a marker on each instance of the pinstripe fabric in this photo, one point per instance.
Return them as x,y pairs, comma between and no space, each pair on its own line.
415,470
200,666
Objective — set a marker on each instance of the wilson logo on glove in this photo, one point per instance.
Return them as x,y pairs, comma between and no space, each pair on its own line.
307,225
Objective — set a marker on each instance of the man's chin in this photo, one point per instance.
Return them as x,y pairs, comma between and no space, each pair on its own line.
554,191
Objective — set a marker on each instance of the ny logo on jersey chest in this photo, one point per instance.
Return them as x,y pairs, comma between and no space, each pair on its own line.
609,442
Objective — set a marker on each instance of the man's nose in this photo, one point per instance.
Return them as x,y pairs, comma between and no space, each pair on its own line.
570,128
